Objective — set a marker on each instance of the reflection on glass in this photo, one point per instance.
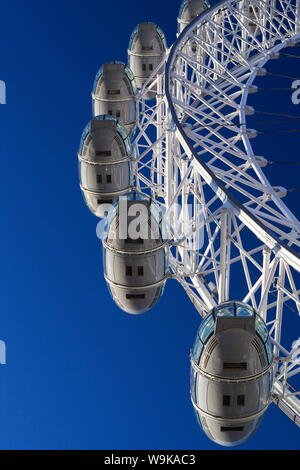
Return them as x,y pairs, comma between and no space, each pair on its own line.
261,328
243,310
206,328
198,346
269,348
225,310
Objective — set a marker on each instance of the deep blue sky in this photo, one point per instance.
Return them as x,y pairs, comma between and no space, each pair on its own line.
81,374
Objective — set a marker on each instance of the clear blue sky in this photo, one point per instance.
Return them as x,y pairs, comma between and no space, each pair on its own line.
81,374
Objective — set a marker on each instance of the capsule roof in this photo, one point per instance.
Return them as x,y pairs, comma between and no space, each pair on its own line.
189,9
228,310
143,26
136,196
130,207
127,70
120,129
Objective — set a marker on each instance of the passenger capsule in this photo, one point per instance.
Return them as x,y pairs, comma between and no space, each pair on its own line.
104,160
189,10
231,373
114,94
135,261
147,47
254,16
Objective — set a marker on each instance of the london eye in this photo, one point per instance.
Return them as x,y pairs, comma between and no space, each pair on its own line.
171,139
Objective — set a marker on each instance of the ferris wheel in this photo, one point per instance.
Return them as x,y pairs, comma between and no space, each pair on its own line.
170,132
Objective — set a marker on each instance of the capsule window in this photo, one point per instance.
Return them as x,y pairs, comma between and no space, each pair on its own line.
226,400
147,48
108,178
135,296
113,92
110,113
144,67
99,179
232,428
235,365
103,153
118,114
140,270
128,270
241,400
206,329
198,346
151,67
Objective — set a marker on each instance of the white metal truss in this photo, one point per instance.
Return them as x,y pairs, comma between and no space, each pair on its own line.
195,158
